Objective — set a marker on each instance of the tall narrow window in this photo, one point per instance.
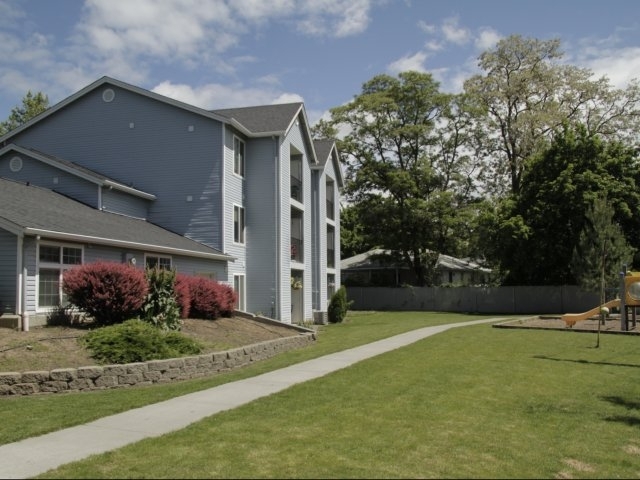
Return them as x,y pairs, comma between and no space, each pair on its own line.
330,204
297,235
238,156
238,224
331,247
296,177
238,286
53,261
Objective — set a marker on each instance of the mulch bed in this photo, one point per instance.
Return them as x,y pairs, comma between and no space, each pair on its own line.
544,322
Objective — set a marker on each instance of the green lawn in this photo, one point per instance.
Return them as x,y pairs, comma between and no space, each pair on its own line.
473,402
23,417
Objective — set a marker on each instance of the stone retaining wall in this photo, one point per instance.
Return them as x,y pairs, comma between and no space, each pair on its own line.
145,373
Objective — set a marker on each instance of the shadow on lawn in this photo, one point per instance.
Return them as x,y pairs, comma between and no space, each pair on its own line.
630,420
586,362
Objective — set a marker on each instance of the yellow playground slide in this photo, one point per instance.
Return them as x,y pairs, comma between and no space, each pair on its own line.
570,319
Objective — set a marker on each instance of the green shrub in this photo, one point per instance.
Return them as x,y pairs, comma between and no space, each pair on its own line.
338,306
137,341
161,307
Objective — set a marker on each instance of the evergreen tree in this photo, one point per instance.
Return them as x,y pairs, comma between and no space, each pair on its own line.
32,105
601,250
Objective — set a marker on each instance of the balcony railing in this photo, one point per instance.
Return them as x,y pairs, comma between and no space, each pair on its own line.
330,210
297,250
296,189
331,258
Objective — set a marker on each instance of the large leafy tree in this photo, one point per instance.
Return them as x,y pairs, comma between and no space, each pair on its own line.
405,169
528,94
32,105
537,231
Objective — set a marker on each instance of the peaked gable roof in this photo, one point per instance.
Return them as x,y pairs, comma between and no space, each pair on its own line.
379,258
132,88
264,119
31,210
75,169
270,120
327,151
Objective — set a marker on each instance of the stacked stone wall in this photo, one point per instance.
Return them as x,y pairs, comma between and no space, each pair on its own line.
145,373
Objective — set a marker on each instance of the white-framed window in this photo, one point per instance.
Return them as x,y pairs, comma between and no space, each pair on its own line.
238,156
330,205
238,224
157,261
239,287
53,260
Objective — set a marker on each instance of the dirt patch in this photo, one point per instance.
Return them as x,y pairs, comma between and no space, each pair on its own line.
48,348
611,325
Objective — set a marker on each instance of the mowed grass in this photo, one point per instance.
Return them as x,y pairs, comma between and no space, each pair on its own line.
472,402
23,417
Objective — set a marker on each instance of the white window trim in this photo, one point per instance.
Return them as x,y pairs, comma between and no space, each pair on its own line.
242,296
158,256
243,233
244,157
61,266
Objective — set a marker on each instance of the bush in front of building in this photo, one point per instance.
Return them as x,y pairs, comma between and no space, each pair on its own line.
109,292
207,298
137,341
161,308
338,306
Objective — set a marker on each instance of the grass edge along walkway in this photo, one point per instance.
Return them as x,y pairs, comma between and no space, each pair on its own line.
19,460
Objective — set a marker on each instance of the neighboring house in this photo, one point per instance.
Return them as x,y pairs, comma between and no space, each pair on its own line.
119,173
377,267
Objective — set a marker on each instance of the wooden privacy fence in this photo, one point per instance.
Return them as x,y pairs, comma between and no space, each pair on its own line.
516,300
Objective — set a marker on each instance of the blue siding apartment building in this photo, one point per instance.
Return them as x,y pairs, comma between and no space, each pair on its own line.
118,173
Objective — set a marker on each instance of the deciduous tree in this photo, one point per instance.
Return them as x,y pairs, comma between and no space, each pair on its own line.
405,169
528,95
538,229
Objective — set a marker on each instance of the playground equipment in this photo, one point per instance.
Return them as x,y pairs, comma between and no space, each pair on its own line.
628,301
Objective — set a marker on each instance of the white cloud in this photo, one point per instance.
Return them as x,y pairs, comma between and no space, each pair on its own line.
215,95
427,28
408,62
487,38
620,66
339,18
454,33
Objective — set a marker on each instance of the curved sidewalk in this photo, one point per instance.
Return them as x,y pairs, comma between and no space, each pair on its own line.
37,455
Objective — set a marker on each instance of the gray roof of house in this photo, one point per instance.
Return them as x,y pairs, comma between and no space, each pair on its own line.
76,169
323,149
263,119
34,210
380,259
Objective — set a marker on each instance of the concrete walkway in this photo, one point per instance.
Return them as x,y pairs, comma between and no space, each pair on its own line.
37,455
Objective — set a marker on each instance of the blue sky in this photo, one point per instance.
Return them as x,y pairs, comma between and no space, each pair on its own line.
231,53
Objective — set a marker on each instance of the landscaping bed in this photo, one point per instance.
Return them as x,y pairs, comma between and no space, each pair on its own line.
49,348
551,322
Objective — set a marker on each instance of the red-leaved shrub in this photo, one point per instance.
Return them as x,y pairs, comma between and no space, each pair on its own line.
183,295
109,292
207,298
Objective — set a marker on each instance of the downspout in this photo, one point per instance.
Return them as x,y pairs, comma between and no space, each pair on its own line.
21,283
278,233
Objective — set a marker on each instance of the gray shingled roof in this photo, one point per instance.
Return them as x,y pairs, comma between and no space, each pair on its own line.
323,149
39,211
264,118
75,169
